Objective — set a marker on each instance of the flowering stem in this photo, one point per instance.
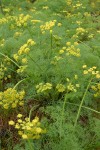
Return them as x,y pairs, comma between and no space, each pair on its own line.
80,106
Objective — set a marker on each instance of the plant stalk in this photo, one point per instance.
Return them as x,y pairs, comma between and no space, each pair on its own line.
80,106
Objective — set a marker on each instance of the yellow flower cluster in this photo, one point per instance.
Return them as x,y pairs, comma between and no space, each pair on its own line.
56,59
10,98
17,34
69,2
69,86
81,31
22,55
3,20
43,87
2,42
28,129
7,10
45,7
2,71
21,69
90,36
79,22
72,87
70,49
25,48
6,19
72,6
77,5
96,88
22,20
87,14
91,71
60,87
47,26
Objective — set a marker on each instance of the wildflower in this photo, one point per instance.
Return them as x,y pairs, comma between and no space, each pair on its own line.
75,43
24,60
78,22
61,51
76,76
85,72
19,120
15,56
59,24
43,87
67,79
10,98
17,126
69,2
98,76
47,26
28,129
24,136
72,50
21,69
19,115
26,50
17,34
14,105
30,42
84,66
68,43
9,76
96,88
60,87
45,7
77,85
71,87
11,122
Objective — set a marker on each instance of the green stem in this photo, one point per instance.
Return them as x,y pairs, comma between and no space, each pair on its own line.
19,83
51,39
30,145
1,7
84,107
31,111
9,59
35,62
85,44
0,84
63,109
62,115
80,106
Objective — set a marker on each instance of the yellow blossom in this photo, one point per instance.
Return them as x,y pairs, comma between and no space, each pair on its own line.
11,122
19,115
28,129
60,87
24,60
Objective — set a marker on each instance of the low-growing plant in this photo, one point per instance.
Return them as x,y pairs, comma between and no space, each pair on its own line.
50,72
